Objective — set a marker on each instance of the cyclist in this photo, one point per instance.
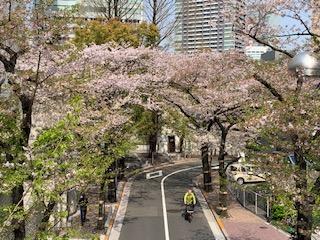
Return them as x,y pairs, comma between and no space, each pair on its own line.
189,200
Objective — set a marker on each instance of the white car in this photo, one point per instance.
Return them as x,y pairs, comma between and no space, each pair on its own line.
242,173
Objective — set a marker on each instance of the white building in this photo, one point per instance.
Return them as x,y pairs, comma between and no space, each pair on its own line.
255,52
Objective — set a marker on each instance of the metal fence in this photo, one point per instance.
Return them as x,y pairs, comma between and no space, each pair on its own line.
257,203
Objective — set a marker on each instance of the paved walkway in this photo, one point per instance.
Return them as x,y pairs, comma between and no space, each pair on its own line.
244,225
241,223
89,229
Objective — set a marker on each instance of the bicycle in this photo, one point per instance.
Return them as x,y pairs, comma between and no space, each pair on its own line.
189,213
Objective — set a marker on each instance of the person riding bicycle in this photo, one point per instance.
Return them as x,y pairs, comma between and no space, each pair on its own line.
189,199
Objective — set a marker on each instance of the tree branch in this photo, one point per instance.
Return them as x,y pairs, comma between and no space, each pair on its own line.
271,89
185,113
258,40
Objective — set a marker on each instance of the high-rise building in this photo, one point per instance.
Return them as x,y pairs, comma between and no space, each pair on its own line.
202,24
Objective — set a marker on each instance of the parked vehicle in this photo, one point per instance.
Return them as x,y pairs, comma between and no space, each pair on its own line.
244,173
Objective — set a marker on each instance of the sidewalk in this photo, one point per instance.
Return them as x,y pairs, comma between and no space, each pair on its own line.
241,224
244,225
89,229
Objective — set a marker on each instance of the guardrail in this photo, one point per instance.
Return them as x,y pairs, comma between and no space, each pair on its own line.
257,203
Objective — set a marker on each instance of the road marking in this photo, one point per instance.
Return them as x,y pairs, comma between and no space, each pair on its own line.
164,206
156,174
118,222
212,221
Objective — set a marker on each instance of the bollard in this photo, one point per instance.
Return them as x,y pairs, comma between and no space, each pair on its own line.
268,208
256,203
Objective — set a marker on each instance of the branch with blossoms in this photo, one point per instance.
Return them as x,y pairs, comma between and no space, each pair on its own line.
268,86
259,27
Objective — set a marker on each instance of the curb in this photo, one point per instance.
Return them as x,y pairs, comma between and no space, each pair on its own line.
216,216
278,229
115,211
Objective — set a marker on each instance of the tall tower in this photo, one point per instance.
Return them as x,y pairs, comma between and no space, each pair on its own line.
202,24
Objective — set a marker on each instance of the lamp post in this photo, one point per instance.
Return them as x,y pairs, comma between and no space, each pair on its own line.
303,65
306,63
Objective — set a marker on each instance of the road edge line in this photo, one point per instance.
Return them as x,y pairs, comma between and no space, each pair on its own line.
216,226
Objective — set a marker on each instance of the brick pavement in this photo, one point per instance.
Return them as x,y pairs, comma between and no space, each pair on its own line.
244,225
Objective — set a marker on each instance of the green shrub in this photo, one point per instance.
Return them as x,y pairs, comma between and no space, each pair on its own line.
278,212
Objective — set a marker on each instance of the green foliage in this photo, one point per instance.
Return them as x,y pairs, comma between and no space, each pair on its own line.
176,121
283,209
316,213
145,123
12,169
113,31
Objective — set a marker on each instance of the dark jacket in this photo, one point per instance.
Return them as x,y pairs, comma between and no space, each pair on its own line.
83,201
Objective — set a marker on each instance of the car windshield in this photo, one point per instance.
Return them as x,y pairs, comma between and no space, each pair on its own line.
251,168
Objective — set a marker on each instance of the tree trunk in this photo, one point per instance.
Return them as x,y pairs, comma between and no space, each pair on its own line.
46,216
19,225
223,191
153,138
152,145
112,190
112,185
116,9
207,181
109,10
304,201
101,213
17,194
121,167
181,150
155,12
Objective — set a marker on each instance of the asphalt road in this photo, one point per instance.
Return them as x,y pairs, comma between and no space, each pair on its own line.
144,215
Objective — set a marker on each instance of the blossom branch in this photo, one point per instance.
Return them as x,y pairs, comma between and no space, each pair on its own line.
271,89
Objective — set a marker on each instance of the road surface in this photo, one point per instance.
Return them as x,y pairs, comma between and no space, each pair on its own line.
144,220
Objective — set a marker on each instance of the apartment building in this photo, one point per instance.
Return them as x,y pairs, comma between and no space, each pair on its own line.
202,24
127,11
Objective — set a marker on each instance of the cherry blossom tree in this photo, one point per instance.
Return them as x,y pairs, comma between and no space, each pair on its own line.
292,91
289,124
282,25
60,156
213,91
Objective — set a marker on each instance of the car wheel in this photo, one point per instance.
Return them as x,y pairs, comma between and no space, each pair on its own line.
240,181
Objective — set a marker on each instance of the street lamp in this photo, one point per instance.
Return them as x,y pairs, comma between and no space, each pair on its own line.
306,62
